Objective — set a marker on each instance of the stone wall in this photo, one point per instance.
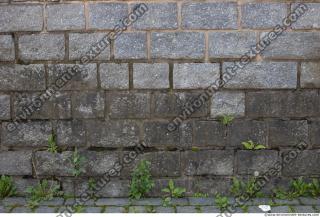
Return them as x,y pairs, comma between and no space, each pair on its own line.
149,75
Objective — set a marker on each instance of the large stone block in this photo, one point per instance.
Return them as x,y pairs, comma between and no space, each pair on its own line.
310,76
7,52
314,128
16,163
5,107
228,103
114,76
71,133
131,46
310,19
89,104
209,133
150,76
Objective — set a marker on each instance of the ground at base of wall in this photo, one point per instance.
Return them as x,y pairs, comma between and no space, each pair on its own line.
154,205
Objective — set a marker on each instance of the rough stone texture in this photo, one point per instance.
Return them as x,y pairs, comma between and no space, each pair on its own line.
6,48
22,77
311,19
207,163
314,128
128,105
42,47
294,45
22,184
114,76
209,15
89,104
150,76
80,43
158,16
106,15
71,133
264,75
65,17
15,163
194,75
131,46
310,75
209,133
177,45
32,134
29,19
230,44
112,201
5,107
211,185
262,15
260,160
230,103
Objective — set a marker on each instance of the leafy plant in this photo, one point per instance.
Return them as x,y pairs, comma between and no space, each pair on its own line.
198,194
249,188
297,188
150,209
7,188
78,162
42,192
250,145
226,119
78,208
222,202
172,192
315,188
245,208
53,148
141,182
92,186
195,149
198,208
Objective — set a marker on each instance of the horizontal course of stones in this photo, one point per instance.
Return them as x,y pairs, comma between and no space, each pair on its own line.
131,91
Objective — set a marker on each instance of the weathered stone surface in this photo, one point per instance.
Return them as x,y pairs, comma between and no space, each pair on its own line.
150,76
209,133
209,15
6,48
297,45
85,80
162,209
173,104
112,202
131,46
210,185
31,134
148,202
177,45
89,104
29,19
22,77
310,19
45,209
213,162
114,209
186,209
128,105
230,44
112,133
5,107
303,165
80,43
314,129
65,17
210,209
14,201
262,15
195,75
250,161
310,75
158,16
163,183
264,75
287,133
114,76
201,201
106,15
71,133
15,163
92,210
22,184
230,103
42,47
309,201
244,130
282,104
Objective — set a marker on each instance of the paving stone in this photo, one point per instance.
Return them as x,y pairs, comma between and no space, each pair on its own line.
88,104
310,18
114,76
286,202
201,201
112,202
14,201
209,209
304,209
131,46
21,209
280,209
15,163
161,209
6,47
92,210
310,77
45,209
114,209
230,103
150,76
309,201
53,202
260,201
186,209
148,202
255,209
179,201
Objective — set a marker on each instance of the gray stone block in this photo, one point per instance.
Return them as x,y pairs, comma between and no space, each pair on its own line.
6,47
15,163
131,46
262,15
71,133
201,201
89,104
161,209
112,202
21,209
210,185
150,76
286,202
65,17
209,133
187,45
30,18
14,201
136,209
42,47
213,162
310,76
22,184
311,19
5,107
114,76
230,103
280,209
148,202
264,75
314,128
114,209
309,201
209,15
45,209
186,209
304,209
195,75
210,209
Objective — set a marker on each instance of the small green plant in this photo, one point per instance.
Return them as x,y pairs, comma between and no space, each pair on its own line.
315,188
42,192
250,145
92,187
78,208
198,208
7,188
172,192
222,202
77,162
53,148
141,182
249,188
291,209
150,209
198,194
245,208
195,149
297,188
226,119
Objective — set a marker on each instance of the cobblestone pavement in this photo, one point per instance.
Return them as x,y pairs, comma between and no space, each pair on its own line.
154,205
